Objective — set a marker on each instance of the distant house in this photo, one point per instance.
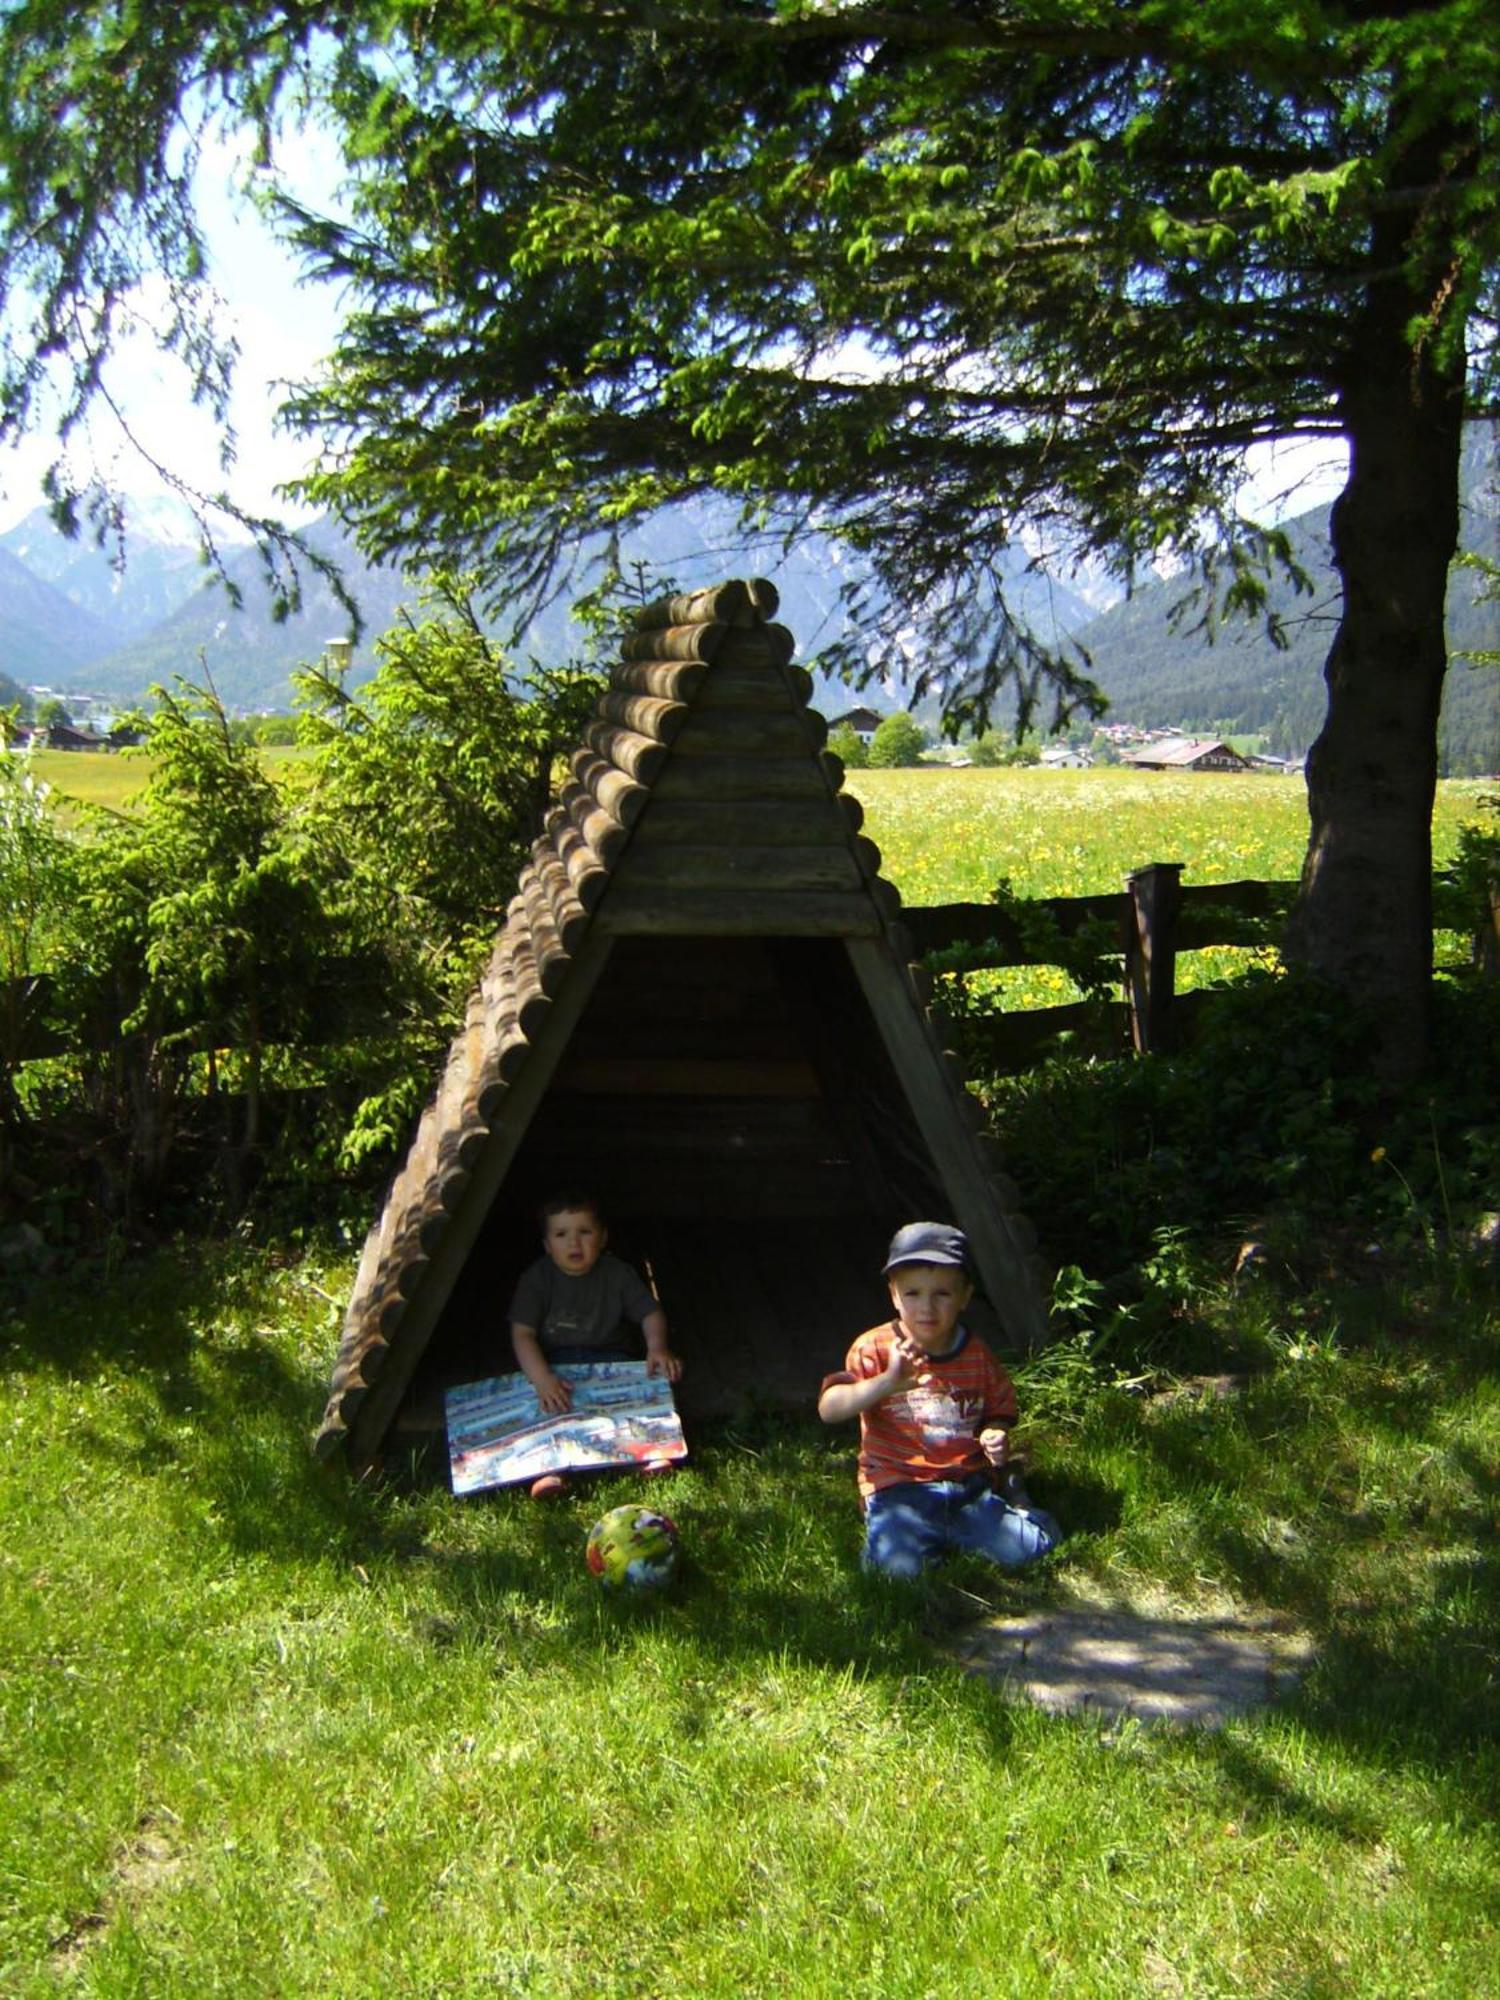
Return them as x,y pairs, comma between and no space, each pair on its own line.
1063,757
863,721
64,736
1186,753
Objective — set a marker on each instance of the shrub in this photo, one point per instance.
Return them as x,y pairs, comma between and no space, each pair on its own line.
849,747
898,743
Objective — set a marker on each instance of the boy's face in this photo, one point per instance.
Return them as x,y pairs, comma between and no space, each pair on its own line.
574,1239
929,1299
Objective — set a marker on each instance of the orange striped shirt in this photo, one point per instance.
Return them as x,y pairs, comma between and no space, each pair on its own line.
929,1429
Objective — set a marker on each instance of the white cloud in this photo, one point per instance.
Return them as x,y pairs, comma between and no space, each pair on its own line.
1291,475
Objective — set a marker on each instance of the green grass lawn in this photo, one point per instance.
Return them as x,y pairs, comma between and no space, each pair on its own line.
269,1733
948,836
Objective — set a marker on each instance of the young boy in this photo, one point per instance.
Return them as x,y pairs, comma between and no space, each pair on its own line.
934,1408
573,1304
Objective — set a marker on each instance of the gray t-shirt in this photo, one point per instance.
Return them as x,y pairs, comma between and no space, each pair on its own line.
590,1311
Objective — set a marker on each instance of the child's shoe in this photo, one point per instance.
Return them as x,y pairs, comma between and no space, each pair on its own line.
548,1486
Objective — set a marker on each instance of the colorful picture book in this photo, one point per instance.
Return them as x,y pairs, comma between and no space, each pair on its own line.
498,1434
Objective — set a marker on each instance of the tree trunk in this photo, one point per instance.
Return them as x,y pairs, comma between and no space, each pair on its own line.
1363,917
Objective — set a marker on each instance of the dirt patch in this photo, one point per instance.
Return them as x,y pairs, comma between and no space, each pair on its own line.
1160,1663
146,1861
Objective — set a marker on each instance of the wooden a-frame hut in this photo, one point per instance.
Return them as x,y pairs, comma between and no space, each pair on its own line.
701,1006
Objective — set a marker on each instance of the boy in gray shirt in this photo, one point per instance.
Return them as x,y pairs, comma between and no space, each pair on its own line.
575,1303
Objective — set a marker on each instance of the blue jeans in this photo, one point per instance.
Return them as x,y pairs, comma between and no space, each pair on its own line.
910,1527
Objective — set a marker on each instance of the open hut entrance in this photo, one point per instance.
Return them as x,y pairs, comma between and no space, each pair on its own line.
733,1104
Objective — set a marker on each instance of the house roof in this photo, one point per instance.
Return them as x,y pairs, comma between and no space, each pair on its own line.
700,804
1178,751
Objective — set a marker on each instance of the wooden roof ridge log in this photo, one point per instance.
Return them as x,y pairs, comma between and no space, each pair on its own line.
596,825
722,603
668,680
675,642
645,714
639,757
611,788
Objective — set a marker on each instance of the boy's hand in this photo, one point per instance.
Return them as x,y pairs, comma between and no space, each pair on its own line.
994,1441
554,1395
661,1361
901,1363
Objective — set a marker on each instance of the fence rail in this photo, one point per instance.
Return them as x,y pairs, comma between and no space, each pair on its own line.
1147,923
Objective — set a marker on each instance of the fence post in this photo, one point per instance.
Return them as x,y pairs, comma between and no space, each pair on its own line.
1155,893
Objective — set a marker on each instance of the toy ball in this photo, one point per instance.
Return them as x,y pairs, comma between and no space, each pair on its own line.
632,1548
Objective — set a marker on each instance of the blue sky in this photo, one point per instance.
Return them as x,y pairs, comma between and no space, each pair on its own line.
283,327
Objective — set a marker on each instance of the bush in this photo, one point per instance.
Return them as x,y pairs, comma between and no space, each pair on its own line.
1274,1108
232,940
999,748
898,743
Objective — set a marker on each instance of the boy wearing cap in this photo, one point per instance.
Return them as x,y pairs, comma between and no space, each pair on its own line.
934,1407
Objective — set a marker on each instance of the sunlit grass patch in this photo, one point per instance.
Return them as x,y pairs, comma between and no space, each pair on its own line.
951,836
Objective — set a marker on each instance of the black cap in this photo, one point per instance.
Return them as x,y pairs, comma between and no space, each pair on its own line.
927,1243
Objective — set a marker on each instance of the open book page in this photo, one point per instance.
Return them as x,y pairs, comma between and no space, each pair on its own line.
499,1436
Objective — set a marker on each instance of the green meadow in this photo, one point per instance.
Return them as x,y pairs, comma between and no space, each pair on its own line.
267,1732
949,836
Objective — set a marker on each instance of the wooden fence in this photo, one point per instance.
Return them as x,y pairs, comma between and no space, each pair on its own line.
1143,928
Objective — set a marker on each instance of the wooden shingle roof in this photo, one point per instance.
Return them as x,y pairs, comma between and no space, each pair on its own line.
701,804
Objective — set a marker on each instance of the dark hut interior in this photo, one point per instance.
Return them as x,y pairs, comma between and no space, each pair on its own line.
732,1105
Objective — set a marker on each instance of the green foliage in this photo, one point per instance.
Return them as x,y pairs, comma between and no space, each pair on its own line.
604,260
36,889
1466,896
197,924
995,748
1275,1110
267,731
1487,572
849,747
256,976
434,779
898,743
1151,274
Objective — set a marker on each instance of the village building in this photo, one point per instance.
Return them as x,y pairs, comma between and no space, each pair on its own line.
1186,753
863,721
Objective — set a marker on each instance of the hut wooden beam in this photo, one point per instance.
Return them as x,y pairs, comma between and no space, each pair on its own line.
687,912
384,1398
1003,1259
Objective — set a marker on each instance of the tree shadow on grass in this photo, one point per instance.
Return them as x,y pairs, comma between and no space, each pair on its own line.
1401,1594
230,1414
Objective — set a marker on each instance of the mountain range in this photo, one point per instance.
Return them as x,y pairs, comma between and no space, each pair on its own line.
1164,675
73,620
